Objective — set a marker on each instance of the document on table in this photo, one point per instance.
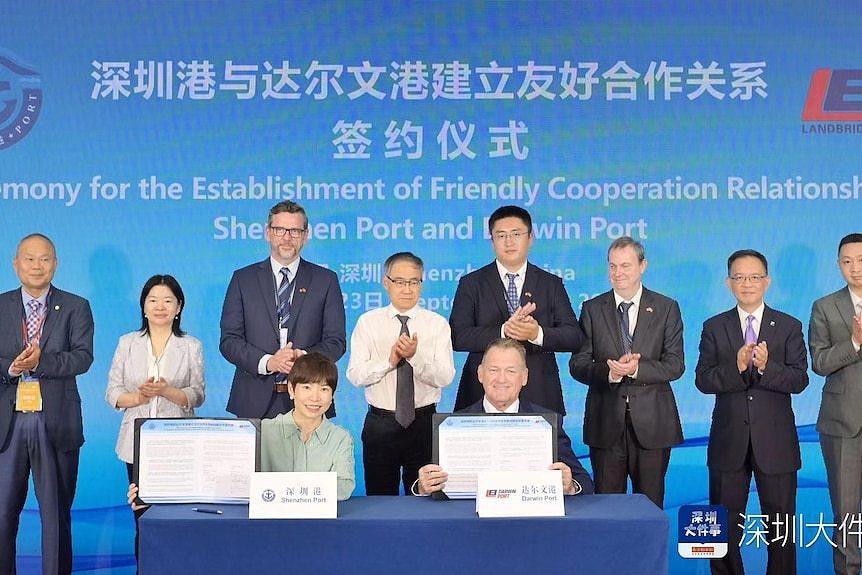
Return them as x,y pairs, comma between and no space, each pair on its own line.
467,443
196,459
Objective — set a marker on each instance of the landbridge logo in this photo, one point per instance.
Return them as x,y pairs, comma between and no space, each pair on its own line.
20,99
834,102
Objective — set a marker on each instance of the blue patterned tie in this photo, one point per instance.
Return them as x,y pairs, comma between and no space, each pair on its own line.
625,333
512,294
284,298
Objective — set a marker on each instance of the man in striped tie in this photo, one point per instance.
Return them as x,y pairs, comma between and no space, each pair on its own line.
276,310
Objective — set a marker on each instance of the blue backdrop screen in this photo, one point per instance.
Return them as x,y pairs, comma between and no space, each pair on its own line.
153,137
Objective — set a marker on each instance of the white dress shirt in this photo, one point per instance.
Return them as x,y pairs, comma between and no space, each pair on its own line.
371,343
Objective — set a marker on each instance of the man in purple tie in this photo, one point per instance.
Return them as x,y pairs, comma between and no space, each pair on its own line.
752,358
46,341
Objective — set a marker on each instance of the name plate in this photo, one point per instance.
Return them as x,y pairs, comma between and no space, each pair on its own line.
293,495
520,494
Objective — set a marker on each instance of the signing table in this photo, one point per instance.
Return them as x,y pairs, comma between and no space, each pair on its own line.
599,534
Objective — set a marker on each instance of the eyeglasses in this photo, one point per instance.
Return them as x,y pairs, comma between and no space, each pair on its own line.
503,236
755,279
405,283
510,371
279,231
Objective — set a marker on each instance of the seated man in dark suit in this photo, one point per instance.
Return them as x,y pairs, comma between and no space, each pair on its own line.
503,373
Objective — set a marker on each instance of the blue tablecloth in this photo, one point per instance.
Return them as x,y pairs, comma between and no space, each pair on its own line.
415,535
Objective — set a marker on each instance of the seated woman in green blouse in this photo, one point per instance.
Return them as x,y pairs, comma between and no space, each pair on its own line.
303,439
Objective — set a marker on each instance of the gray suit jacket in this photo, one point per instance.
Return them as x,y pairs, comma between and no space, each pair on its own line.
658,338
833,356
183,368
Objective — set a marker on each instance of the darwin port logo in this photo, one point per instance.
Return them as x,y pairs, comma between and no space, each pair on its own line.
20,99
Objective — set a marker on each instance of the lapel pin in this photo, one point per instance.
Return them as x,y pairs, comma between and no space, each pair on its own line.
649,310
56,308
528,294
302,290
772,324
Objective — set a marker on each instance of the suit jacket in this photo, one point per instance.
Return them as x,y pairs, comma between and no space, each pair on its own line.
564,444
833,356
182,367
249,327
658,338
753,408
479,312
67,351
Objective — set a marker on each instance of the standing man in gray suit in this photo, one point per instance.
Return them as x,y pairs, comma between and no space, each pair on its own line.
834,338
633,351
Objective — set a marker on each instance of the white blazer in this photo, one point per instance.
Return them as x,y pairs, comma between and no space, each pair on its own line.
181,366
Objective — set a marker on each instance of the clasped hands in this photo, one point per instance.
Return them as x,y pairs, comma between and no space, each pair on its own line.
627,365
857,329
28,359
153,387
282,360
751,353
522,326
403,348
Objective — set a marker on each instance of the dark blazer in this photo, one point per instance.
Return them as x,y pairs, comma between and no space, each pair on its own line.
67,351
750,407
564,444
479,312
658,338
249,327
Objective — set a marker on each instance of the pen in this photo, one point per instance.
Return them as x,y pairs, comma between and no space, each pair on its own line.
202,510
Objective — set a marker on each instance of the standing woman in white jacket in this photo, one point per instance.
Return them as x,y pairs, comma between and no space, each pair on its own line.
158,371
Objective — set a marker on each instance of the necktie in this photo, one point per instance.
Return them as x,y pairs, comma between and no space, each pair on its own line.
283,295
512,294
34,317
750,336
625,334
405,409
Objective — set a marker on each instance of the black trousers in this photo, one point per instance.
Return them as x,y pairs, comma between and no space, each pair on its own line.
392,454
777,493
138,513
627,458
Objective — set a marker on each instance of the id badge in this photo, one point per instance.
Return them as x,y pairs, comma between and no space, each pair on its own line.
29,396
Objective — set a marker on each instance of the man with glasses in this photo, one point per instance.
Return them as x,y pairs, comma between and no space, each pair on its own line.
46,342
276,310
402,355
834,338
512,298
752,358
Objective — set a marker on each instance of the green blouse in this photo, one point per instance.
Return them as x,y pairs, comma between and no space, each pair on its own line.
329,448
